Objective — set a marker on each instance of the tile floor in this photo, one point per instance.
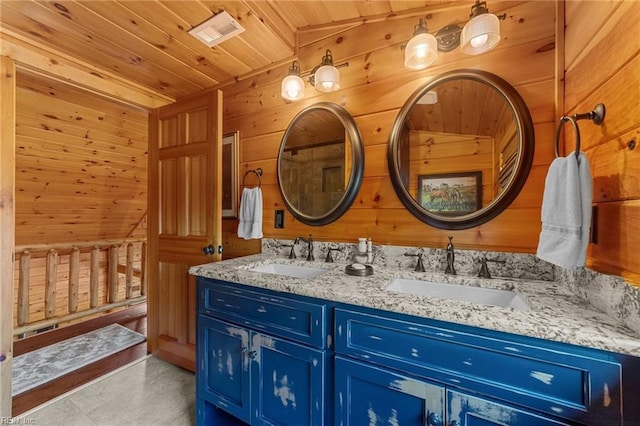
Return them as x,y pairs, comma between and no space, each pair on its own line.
148,392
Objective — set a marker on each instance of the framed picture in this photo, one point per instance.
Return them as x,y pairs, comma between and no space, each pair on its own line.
230,174
450,194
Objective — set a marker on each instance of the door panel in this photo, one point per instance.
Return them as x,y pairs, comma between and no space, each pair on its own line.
288,383
185,215
467,410
223,366
384,397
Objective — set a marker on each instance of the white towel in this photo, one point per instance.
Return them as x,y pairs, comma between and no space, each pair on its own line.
566,212
250,217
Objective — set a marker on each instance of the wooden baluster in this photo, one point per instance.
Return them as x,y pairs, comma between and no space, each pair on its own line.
23,288
50,284
74,279
143,269
129,272
94,274
113,273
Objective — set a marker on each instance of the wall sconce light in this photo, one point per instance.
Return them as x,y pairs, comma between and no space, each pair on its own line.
480,34
324,78
293,84
422,49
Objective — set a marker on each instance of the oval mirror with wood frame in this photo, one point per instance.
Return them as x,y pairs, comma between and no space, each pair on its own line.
320,163
460,149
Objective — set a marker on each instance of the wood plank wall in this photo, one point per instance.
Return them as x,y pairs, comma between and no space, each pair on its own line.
374,87
81,165
81,175
602,65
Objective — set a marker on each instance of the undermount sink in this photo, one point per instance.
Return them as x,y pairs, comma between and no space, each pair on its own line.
483,296
294,271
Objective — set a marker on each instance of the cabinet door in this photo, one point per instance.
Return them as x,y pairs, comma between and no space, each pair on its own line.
467,410
370,395
287,383
223,366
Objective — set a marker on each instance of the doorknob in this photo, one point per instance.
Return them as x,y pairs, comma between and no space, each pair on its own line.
210,249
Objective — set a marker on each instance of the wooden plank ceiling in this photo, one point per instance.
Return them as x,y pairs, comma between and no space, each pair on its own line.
147,43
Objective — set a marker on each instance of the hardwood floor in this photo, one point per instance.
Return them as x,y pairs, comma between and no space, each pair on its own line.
134,318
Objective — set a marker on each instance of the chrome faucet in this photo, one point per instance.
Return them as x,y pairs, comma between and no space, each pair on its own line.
451,257
309,242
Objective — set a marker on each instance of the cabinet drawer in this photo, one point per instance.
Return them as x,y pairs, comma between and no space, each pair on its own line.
264,310
554,378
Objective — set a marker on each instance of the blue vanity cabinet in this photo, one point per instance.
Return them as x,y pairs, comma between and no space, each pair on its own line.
387,397
488,377
261,357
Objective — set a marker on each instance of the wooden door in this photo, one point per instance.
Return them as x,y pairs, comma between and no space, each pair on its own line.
185,216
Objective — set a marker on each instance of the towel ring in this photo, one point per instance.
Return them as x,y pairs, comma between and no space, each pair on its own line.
258,172
596,115
576,130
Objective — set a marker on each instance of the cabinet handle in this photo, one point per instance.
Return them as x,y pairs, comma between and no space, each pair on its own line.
209,249
253,354
454,423
244,349
433,420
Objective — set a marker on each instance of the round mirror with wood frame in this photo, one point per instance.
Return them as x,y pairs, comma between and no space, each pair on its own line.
320,163
460,149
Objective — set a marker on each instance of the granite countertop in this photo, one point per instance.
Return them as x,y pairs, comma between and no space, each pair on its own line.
554,313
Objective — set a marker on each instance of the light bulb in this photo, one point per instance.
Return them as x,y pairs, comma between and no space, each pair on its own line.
292,92
421,51
478,41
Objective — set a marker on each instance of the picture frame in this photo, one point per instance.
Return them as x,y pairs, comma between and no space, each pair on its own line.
230,156
450,194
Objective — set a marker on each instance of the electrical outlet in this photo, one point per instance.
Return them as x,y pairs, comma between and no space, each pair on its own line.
279,219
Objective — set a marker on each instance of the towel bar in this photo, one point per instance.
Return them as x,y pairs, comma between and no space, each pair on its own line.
596,115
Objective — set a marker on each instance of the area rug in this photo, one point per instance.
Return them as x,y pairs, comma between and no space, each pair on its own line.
43,365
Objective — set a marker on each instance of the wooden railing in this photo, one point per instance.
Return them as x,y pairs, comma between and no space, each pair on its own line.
104,281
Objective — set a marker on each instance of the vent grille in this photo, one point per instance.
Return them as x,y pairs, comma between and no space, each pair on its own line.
217,29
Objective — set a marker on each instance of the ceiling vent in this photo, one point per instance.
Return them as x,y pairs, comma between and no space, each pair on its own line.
217,29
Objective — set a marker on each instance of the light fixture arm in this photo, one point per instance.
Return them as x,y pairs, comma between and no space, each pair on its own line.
479,8
327,59
294,69
421,28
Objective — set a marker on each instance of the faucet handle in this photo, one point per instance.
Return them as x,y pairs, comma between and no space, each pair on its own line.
419,265
329,258
292,253
484,269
